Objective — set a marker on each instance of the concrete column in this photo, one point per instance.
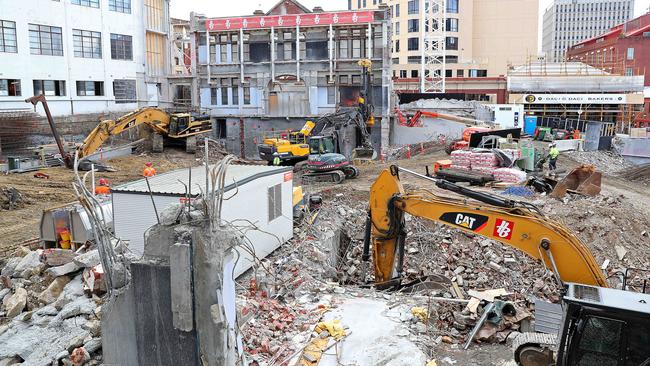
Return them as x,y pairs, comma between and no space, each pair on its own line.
369,42
273,54
207,42
331,51
298,51
241,67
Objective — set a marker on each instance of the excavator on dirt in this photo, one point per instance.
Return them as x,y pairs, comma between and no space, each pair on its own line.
181,127
599,326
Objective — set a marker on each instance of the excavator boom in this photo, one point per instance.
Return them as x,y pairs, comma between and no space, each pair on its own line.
153,117
513,223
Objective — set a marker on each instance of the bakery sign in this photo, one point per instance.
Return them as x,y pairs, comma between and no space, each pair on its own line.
290,20
575,99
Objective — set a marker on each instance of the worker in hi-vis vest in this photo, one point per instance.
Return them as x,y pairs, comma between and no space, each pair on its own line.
553,154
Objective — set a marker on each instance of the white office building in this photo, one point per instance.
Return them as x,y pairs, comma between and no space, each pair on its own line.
567,22
86,56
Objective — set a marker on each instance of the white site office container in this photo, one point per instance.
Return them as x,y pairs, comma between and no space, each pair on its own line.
262,197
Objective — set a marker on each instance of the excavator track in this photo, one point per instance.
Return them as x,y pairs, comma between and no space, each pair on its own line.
334,176
534,349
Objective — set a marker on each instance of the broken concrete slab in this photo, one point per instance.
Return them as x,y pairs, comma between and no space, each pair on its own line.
58,257
29,261
10,267
15,304
52,292
63,270
621,251
88,259
373,332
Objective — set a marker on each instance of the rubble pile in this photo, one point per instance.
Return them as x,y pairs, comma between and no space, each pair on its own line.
608,162
423,148
614,230
48,316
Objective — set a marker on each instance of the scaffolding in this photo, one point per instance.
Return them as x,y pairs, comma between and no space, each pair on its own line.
432,39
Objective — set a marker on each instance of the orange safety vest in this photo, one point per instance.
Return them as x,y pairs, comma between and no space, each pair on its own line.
149,172
105,190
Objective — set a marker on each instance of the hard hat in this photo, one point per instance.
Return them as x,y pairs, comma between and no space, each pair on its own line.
103,182
148,163
552,144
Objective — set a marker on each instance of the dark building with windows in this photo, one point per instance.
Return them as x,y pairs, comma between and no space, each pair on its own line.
269,72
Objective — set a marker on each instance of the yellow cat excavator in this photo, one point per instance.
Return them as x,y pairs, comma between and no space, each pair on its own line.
600,325
176,126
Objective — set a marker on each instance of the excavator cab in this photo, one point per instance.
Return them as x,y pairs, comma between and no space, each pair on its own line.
178,123
319,145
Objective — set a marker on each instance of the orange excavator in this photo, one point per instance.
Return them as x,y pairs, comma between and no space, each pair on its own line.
474,126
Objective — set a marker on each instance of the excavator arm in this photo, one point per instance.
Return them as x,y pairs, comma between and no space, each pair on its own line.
156,118
513,223
414,120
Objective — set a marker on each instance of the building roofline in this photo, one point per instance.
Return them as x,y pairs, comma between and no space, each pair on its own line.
298,4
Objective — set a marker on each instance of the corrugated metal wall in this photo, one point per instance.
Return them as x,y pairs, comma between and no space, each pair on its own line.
155,54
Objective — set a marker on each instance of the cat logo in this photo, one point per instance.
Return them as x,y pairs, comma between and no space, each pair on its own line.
468,221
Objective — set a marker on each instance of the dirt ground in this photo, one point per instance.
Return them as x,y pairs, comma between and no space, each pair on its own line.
22,223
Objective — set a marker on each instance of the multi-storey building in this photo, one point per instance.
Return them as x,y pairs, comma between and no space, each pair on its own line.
622,50
272,71
483,37
86,56
567,22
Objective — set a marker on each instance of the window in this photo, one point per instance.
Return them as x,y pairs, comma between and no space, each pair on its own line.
260,51
451,25
449,73
317,50
414,73
225,85
460,73
49,87
121,47
414,25
413,44
87,44
451,43
414,6
599,344
275,202
397,46
630,53
122,6
452,6
124,91
414,59
247,95
331,95
45,40
9,87
235,91
402,74
451,59
473,73
213,96
8,36
396,10
91,3
86,88
629,71
397,28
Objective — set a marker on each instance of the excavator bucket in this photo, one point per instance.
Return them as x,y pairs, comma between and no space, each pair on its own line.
584,179
363,153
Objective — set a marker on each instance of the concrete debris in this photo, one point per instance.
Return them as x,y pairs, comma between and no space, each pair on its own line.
30,261
63,270
15,303
620,251
88,259
57,257
47,319
52,292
